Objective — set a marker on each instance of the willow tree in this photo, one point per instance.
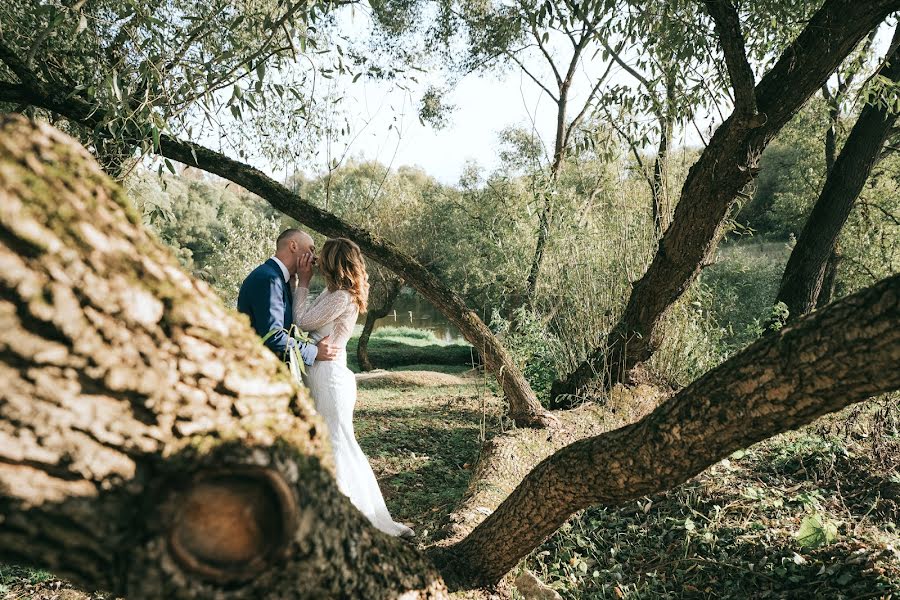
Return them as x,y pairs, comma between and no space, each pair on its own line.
569,51
132,78
152,447
726,166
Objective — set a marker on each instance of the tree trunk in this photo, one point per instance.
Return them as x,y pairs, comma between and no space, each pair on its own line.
149,444
660,191
560,147
524,407
829,281
845,353
362,348
152,447
804,274
727,164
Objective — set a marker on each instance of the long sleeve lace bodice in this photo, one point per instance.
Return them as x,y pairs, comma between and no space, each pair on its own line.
335,307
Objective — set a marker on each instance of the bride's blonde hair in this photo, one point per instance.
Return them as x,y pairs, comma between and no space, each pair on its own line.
341,263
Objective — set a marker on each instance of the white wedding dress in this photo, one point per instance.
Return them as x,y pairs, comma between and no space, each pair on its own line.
333,388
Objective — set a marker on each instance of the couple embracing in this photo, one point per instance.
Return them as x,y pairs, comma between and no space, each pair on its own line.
275,297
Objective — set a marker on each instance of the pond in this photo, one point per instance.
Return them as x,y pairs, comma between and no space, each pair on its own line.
411,310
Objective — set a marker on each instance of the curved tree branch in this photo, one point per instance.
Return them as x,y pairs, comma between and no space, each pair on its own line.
524,406
825,361
727,164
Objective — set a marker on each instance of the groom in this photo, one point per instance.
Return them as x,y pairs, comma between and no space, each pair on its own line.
267,299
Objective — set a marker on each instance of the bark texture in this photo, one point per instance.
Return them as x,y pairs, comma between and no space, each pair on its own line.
726,166
149,444
392,290
524,406
844,353
814,256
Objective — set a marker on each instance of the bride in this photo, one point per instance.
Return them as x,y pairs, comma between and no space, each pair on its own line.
333,386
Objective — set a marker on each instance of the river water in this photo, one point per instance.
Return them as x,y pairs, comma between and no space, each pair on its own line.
410,310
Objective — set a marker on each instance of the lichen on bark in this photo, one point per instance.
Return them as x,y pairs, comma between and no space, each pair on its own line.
126,385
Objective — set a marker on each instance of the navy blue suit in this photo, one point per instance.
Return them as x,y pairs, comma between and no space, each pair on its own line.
267,299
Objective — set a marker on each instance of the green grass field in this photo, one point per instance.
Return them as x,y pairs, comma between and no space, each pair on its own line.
394,347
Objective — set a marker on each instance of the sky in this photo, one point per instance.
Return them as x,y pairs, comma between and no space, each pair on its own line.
386,126
484,104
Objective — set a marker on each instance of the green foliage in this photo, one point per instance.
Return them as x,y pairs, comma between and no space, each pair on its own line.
404,347
742,286
219,233
694,340
162,66
405,333
792,172
779,316
533,348
868,241
816,530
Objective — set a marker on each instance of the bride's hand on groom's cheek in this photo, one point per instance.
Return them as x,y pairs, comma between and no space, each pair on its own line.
305,268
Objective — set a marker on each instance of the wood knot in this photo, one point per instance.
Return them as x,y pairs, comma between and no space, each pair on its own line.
230,525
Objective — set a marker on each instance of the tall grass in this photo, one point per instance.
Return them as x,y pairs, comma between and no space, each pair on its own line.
592,263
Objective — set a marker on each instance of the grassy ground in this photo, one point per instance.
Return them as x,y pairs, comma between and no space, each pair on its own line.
811,514
422,439
392,347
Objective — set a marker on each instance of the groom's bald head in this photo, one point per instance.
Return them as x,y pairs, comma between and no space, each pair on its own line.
292,235
291,244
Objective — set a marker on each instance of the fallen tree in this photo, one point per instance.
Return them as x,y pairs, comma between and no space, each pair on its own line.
152,447
524,407
727,165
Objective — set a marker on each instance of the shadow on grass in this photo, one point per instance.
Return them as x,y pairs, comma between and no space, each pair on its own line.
388,353
423,455
733,532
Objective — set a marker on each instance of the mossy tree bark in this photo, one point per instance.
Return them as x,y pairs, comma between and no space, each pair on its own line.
726,166
151,446
524,407
391,291
814,258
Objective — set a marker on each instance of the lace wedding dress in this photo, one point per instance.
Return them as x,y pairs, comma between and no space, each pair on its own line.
333,388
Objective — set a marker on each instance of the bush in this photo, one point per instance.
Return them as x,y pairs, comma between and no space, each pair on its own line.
532,347
743,285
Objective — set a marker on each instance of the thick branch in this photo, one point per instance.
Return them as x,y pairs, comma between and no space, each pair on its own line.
842,354
524,406
149,444
728,28
804,273
727,164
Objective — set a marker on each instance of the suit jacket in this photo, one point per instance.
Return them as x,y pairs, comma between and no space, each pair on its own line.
267,299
